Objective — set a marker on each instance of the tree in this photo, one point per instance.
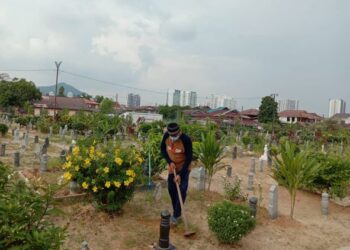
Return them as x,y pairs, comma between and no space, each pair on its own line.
16,93
268,110
106,106
99,98
85,95
210,153
294,170
170,112
61,91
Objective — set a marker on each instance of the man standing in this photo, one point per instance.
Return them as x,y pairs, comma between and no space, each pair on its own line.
176,147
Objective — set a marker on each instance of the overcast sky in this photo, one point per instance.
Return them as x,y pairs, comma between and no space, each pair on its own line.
244,49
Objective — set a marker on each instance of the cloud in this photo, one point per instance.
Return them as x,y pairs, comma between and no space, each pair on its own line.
178,29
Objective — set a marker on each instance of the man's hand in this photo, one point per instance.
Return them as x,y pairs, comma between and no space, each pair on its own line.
177,179
171,168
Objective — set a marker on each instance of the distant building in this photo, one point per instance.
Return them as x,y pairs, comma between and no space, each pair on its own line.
143,117
217,101
342,118
72,104
177,97
288,105
298,116
134,100
336,106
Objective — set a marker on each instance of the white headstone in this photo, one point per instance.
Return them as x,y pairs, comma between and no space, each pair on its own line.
273,202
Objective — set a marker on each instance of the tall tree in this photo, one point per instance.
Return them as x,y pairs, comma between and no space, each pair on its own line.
268,110
106,106
61,91
85,95
99,98
17,92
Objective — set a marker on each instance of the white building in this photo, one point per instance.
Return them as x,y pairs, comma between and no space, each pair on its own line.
336,106
146,117
217,101
181,98
288,105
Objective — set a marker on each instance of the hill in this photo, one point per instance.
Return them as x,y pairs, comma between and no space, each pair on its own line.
67,88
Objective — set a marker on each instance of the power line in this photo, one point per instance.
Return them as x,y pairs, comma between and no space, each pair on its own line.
116,84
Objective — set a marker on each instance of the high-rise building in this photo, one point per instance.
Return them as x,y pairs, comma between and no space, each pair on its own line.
181,98
134,100
217,101
336,106
288,105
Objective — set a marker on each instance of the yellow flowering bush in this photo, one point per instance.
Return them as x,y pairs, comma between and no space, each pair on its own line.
109,174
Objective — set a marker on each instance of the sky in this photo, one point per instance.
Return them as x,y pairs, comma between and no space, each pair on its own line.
247,49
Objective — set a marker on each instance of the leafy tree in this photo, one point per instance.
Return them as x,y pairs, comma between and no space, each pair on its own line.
106,106
85,95
268,110
210,153
294,170
170,112
61,91
99,98
17,93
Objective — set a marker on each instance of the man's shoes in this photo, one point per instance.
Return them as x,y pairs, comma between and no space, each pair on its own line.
174,221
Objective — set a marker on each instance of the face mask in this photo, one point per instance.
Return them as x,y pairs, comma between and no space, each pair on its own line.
174,138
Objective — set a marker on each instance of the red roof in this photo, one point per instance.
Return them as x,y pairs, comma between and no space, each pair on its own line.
71,103
250,112
299,114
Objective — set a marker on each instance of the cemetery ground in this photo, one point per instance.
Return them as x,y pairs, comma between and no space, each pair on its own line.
137,227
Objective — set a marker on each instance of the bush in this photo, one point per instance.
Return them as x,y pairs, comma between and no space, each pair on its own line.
22,212
233,191
23,120
110,175
3,129
230,222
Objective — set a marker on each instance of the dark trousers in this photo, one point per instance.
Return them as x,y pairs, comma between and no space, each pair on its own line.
174,195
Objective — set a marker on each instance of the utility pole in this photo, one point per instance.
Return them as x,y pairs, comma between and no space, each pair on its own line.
58,64
273,118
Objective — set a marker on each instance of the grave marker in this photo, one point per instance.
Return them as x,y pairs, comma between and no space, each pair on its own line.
273,202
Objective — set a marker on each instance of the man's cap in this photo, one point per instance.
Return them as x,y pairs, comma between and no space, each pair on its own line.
173,128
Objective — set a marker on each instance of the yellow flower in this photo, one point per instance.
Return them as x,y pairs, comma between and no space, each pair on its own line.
85,185
67,164
94,189
118,160
131,180
117,151
106,170
68,158
92,152
117,184
67,176
87,162
131,173
97,170
77,168
126,183
139,159
107,184
76,151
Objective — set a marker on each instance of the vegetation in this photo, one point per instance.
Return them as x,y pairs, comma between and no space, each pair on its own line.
106,106
109,174
233,190
3,129
16,93
230,222
23,212
210,153
294,169
268,110
61,91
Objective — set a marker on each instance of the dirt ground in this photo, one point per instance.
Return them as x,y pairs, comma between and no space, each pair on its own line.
138,226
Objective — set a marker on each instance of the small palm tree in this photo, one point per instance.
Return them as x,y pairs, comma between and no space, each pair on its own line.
294,169
210,153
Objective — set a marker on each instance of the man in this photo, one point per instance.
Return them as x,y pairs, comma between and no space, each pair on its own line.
176,147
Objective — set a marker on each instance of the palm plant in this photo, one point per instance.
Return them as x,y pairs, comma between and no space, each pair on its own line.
294,169
210,153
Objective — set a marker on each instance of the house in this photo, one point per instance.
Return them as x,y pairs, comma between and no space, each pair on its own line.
143,117
298,116
341,118
72,104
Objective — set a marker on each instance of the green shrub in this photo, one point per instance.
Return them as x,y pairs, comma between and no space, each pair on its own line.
233,190
333,175
3,129
23,120
246,140
230,222
22,212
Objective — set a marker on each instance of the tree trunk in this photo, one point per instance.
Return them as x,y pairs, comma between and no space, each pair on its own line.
292,203
209,182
